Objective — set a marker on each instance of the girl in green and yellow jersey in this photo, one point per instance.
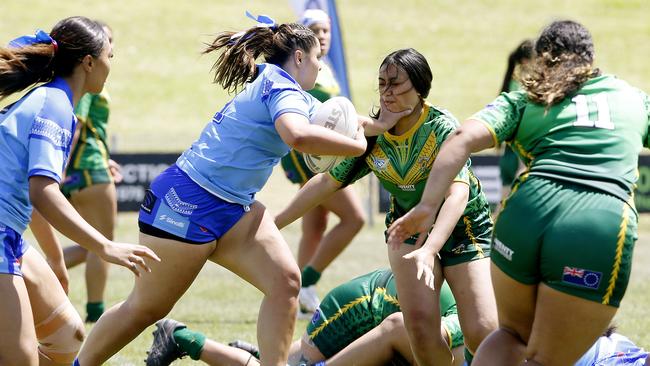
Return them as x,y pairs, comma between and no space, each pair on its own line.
401,158
564,239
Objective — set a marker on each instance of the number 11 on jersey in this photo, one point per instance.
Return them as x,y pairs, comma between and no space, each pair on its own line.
582,110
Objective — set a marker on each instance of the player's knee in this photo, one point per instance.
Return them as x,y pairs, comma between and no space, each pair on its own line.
476,331
60,335
291,281
392,323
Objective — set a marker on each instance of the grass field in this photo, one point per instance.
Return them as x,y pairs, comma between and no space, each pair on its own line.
162,95
225,307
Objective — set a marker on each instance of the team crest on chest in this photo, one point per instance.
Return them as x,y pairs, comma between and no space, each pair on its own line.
380,164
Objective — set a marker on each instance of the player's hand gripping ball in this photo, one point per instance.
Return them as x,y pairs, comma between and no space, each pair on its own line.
337,114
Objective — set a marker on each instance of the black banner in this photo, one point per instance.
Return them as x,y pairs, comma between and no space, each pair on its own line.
138,171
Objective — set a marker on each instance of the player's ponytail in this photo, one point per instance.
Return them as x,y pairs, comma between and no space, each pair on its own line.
33,59
275,43
564,61
523,52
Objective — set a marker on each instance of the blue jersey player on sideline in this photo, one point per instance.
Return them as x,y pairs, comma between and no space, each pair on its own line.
37,322
203,207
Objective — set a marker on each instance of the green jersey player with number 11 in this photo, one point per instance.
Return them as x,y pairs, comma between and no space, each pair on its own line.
564,239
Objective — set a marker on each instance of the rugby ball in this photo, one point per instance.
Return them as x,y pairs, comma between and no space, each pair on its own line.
337,114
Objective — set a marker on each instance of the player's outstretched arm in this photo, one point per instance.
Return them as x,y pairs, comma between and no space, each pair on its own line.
314,192
47,198
472,136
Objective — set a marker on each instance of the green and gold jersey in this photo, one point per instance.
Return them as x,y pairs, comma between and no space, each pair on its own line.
326,85
402,164
91,151
592,137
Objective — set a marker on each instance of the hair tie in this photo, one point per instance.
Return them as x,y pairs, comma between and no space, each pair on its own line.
263,21
40,37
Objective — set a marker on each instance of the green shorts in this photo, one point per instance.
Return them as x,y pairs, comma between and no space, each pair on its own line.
78,179
295,168
573,238
469,241
351,310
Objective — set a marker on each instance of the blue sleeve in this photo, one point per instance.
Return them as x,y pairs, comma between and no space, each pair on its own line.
284,97
50,137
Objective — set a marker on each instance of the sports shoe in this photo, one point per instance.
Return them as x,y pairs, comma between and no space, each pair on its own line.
308,300
250,348
164,349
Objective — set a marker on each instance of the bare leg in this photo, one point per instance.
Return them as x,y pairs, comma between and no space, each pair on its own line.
74,255
346,205
54,316
477,311
217,354
549,343
506,345
313,224
266,262
18,346
421,310
97,204
152,297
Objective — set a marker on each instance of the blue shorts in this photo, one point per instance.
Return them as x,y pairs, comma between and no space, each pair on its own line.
177,208
12,248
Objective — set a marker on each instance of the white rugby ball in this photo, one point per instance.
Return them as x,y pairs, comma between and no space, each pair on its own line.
337,114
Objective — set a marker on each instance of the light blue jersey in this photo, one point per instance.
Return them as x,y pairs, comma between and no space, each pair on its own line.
615,350
236,152
35,137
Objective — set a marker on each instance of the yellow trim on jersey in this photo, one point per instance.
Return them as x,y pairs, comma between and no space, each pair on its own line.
523,152
472,238
387,297
338,314
296,163
100,143
89,179
411,131
522,178
617,260
83,135
495,139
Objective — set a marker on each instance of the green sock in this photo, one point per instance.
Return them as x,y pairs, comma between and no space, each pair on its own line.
468,356
94,311
190,342
309,276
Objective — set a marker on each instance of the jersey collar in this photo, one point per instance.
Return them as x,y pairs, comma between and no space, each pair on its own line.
59,83
411,131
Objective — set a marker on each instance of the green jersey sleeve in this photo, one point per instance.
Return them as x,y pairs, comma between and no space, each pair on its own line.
503,115
83,107
350,170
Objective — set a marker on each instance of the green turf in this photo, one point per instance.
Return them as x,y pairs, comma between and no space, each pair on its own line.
162,96
161,88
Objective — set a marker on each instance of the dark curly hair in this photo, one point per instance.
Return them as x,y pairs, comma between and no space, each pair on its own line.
565,56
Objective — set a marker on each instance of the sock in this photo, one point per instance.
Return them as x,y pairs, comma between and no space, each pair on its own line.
190,342
94,311
468,356
309,276
76,362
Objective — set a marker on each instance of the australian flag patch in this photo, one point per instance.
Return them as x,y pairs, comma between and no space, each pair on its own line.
582,277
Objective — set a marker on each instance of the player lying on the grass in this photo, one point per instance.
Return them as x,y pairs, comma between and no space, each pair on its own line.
564,239
356,323
401,158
